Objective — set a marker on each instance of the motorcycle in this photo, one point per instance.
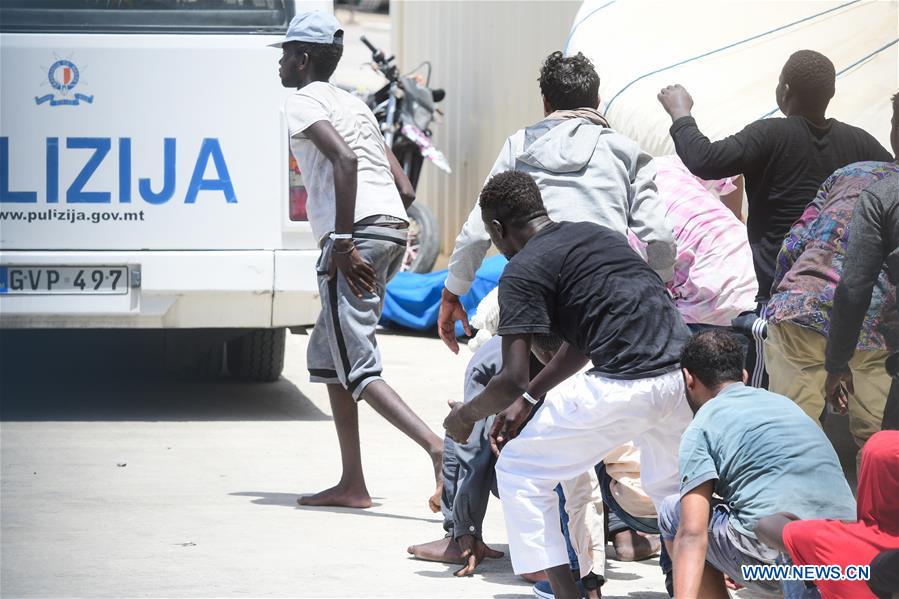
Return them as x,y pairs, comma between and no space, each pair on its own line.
405,108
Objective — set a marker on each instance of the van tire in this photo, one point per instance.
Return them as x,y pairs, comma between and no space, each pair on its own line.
257,356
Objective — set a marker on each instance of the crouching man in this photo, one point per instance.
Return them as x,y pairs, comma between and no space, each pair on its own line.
760,454
584,283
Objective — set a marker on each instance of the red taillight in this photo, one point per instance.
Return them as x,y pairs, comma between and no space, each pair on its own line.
298,204
297,192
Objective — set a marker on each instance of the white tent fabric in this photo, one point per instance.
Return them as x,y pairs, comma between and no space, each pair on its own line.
729,53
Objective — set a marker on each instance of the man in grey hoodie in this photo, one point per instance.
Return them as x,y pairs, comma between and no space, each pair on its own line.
585,171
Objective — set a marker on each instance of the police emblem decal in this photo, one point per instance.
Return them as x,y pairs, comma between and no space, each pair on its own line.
63,76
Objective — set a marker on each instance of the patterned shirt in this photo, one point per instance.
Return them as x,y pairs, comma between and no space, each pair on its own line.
714,281
810,262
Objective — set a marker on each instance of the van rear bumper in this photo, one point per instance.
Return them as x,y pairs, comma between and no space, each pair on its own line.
174,289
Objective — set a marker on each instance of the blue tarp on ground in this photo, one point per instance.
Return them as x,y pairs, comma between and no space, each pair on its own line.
413,299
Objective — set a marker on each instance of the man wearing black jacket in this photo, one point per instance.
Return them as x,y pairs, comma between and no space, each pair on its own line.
873,242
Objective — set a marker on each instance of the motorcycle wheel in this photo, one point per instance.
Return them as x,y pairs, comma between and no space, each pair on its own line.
423,244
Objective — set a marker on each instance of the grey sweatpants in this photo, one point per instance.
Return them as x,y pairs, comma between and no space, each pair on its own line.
468,476
342,347
467,481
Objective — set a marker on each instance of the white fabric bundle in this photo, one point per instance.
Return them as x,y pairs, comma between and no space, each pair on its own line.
485,319
728,54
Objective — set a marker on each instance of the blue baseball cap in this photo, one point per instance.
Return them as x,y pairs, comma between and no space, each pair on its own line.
313,27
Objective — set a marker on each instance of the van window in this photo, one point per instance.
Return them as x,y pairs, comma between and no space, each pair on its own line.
145,16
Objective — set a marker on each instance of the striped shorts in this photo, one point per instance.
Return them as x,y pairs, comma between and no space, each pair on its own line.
342,347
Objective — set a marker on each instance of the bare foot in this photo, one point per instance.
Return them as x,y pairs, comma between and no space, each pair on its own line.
437,461
338,496
445,550
631,546
535,577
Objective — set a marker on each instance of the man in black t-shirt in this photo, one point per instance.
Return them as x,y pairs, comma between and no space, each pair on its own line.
584,283
783,161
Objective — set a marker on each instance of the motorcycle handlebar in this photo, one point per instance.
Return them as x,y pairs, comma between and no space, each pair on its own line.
383,64
370,45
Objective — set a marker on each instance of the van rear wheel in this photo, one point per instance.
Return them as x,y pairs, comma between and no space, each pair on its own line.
257,356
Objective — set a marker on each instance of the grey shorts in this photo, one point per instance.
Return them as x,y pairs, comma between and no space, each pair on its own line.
342,347
728,550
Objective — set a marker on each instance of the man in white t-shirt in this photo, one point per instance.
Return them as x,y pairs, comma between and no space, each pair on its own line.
357,202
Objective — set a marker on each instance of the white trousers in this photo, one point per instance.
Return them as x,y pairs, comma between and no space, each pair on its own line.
579,424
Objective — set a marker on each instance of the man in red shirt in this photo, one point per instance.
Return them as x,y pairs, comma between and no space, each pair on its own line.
844,544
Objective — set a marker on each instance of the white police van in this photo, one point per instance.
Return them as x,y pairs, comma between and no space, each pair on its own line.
145,176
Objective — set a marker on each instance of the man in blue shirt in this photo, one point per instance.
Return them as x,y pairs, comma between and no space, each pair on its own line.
760,454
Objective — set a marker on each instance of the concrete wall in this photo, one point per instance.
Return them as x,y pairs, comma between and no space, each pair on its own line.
487,55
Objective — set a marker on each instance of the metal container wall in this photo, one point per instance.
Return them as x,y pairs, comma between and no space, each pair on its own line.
487,55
